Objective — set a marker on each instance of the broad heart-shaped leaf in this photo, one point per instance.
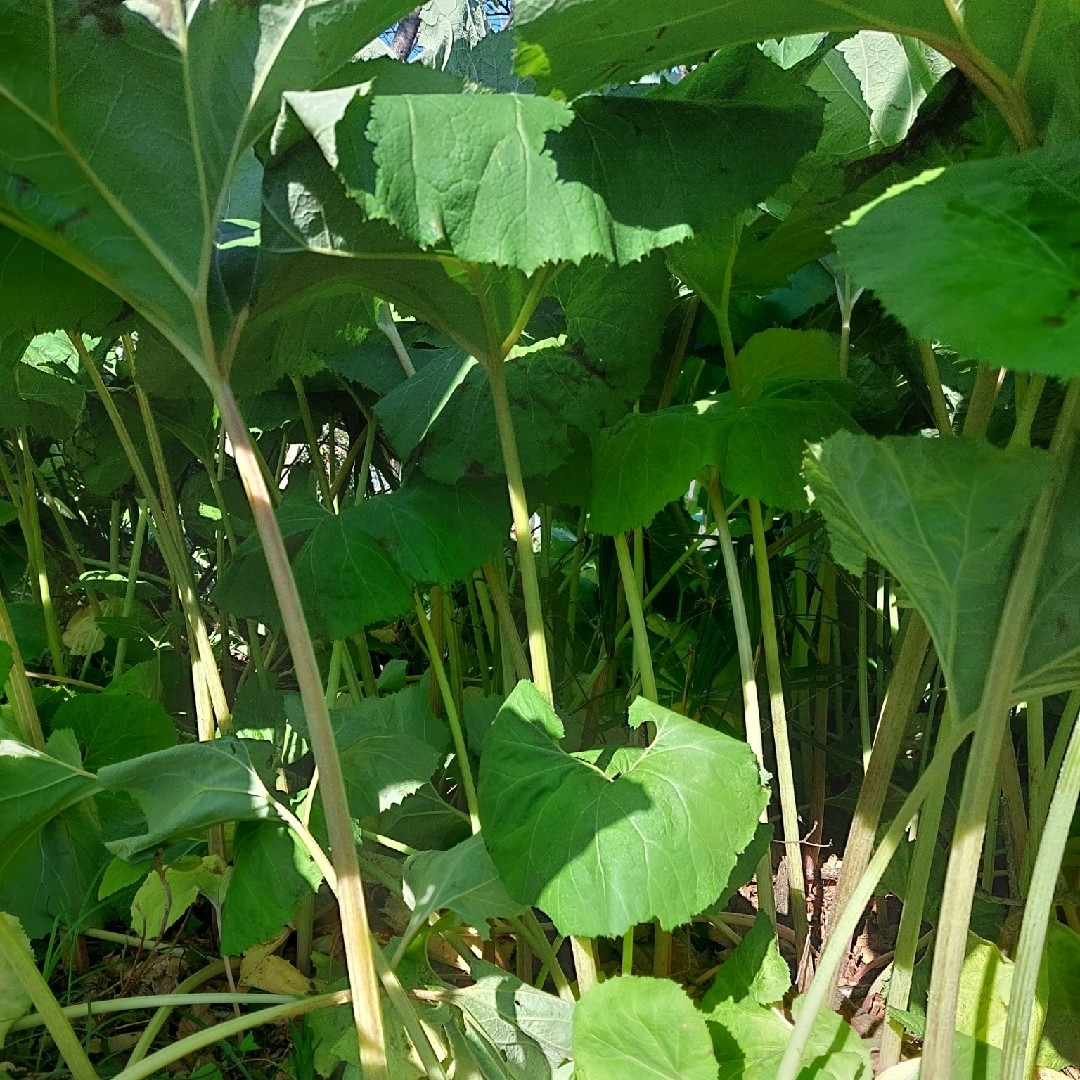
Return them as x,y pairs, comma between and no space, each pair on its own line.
943,516
577,45
34,788
755,971
125,171
600,855
749,1040
1052,658
982,256
187,789
463,879
649,459
641,1027
361,566
272,873
112,728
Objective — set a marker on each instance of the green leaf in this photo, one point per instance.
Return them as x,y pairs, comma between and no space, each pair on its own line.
272,873
943,515
15,1000
112,728
34,788
186,789
569,44
389,747
749,1040
601,855
517,1030
126,171
463,880
993,237
640,1027
784,354
755,971
1052,658
1061,1033
164,898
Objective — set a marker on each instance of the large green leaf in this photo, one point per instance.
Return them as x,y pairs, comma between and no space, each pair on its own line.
272,873
981,257
576,45
125,170
600,855
361,566
943,516
34,788
640,1027
186,789
463,880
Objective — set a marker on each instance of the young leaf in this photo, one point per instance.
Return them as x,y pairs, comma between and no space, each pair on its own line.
943,515
187,789
463,879
601,855
993,238
641,1027
755,971
272,873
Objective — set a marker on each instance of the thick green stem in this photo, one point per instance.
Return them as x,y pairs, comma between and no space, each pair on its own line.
992,718
132,581
1021,1038
367,1011
938,407
511,643
642,653
456,732
784,777
751,708
534,616
19,960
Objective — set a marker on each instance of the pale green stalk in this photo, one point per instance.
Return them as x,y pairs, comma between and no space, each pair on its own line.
785,780
359,952
850,915
642,653
19,961
992,718
132,581
751,708
1021,1039
519,506
456,732
938,407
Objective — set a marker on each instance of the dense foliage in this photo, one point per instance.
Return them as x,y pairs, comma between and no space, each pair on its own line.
553,559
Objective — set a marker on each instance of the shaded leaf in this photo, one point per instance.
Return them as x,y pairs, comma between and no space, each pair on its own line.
186,789
115,727
943,515
463,879
599,855
754,971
